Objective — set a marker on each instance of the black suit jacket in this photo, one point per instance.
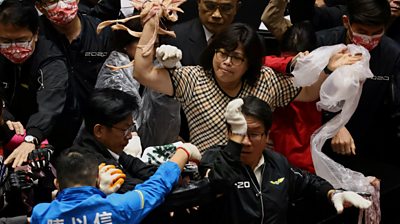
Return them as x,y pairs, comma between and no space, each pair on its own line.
190,38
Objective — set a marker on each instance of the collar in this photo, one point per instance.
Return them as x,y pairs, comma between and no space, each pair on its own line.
78,193
113,154
207,33
258,170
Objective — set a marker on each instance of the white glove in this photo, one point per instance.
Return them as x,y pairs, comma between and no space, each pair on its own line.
339,199
169,56
192,151
134,147
110,178
235,118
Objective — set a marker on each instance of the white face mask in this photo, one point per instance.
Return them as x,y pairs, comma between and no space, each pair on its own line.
134,147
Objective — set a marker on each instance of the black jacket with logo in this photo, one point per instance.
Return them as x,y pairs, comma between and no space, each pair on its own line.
244,202
85,55
36,91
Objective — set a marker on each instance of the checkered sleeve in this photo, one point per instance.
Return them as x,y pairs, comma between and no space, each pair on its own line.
276,89
184,81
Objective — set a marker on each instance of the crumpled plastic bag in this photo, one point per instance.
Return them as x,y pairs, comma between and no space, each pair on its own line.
341,91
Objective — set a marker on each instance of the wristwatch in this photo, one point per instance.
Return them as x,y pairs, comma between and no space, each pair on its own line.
31,139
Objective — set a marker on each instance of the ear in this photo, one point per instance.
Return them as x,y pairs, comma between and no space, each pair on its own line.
238,5
36,35
346,21
98,130
55,181
40,8
266,139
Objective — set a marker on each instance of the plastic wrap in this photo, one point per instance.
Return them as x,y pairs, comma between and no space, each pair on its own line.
160,119
308,68
341,91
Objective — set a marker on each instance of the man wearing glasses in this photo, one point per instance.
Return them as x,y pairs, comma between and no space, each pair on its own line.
258,185
192,36
109,126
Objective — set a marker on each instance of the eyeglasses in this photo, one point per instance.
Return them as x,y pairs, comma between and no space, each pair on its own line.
127,131
254,137
24,44
225,8
222,56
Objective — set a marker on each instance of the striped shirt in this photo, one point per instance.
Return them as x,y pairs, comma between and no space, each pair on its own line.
204,102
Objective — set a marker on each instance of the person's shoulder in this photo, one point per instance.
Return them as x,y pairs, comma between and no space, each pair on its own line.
40,210
265,70
275,158
191,69
88,18
48,48
185,26
390,45
331,36
266,73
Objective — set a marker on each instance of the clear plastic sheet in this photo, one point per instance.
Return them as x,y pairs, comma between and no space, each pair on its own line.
341,91
120,79
160,118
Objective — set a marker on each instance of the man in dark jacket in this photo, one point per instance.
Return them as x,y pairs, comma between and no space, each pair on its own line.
371,144
75,34
108,127
35,88
259,184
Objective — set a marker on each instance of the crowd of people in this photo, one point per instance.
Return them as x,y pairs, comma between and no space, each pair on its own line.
103,116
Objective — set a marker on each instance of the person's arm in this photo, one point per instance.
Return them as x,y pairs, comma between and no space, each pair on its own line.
50,98
305,184
5,133
343,143
148,195
136,167
311,93
225,168
273,18
145,72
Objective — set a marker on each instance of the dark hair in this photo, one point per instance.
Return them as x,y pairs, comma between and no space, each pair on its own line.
108,107
259,110
229,39
121,38
76,168
21,13
298,38
369,12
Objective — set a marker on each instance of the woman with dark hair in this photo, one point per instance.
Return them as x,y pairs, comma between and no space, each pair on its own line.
230,68
34,79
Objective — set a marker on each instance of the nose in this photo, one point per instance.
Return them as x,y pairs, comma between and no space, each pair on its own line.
246,141
228,60
129,135
216,14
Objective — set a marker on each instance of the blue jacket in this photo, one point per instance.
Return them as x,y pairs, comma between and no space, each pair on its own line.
89,205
